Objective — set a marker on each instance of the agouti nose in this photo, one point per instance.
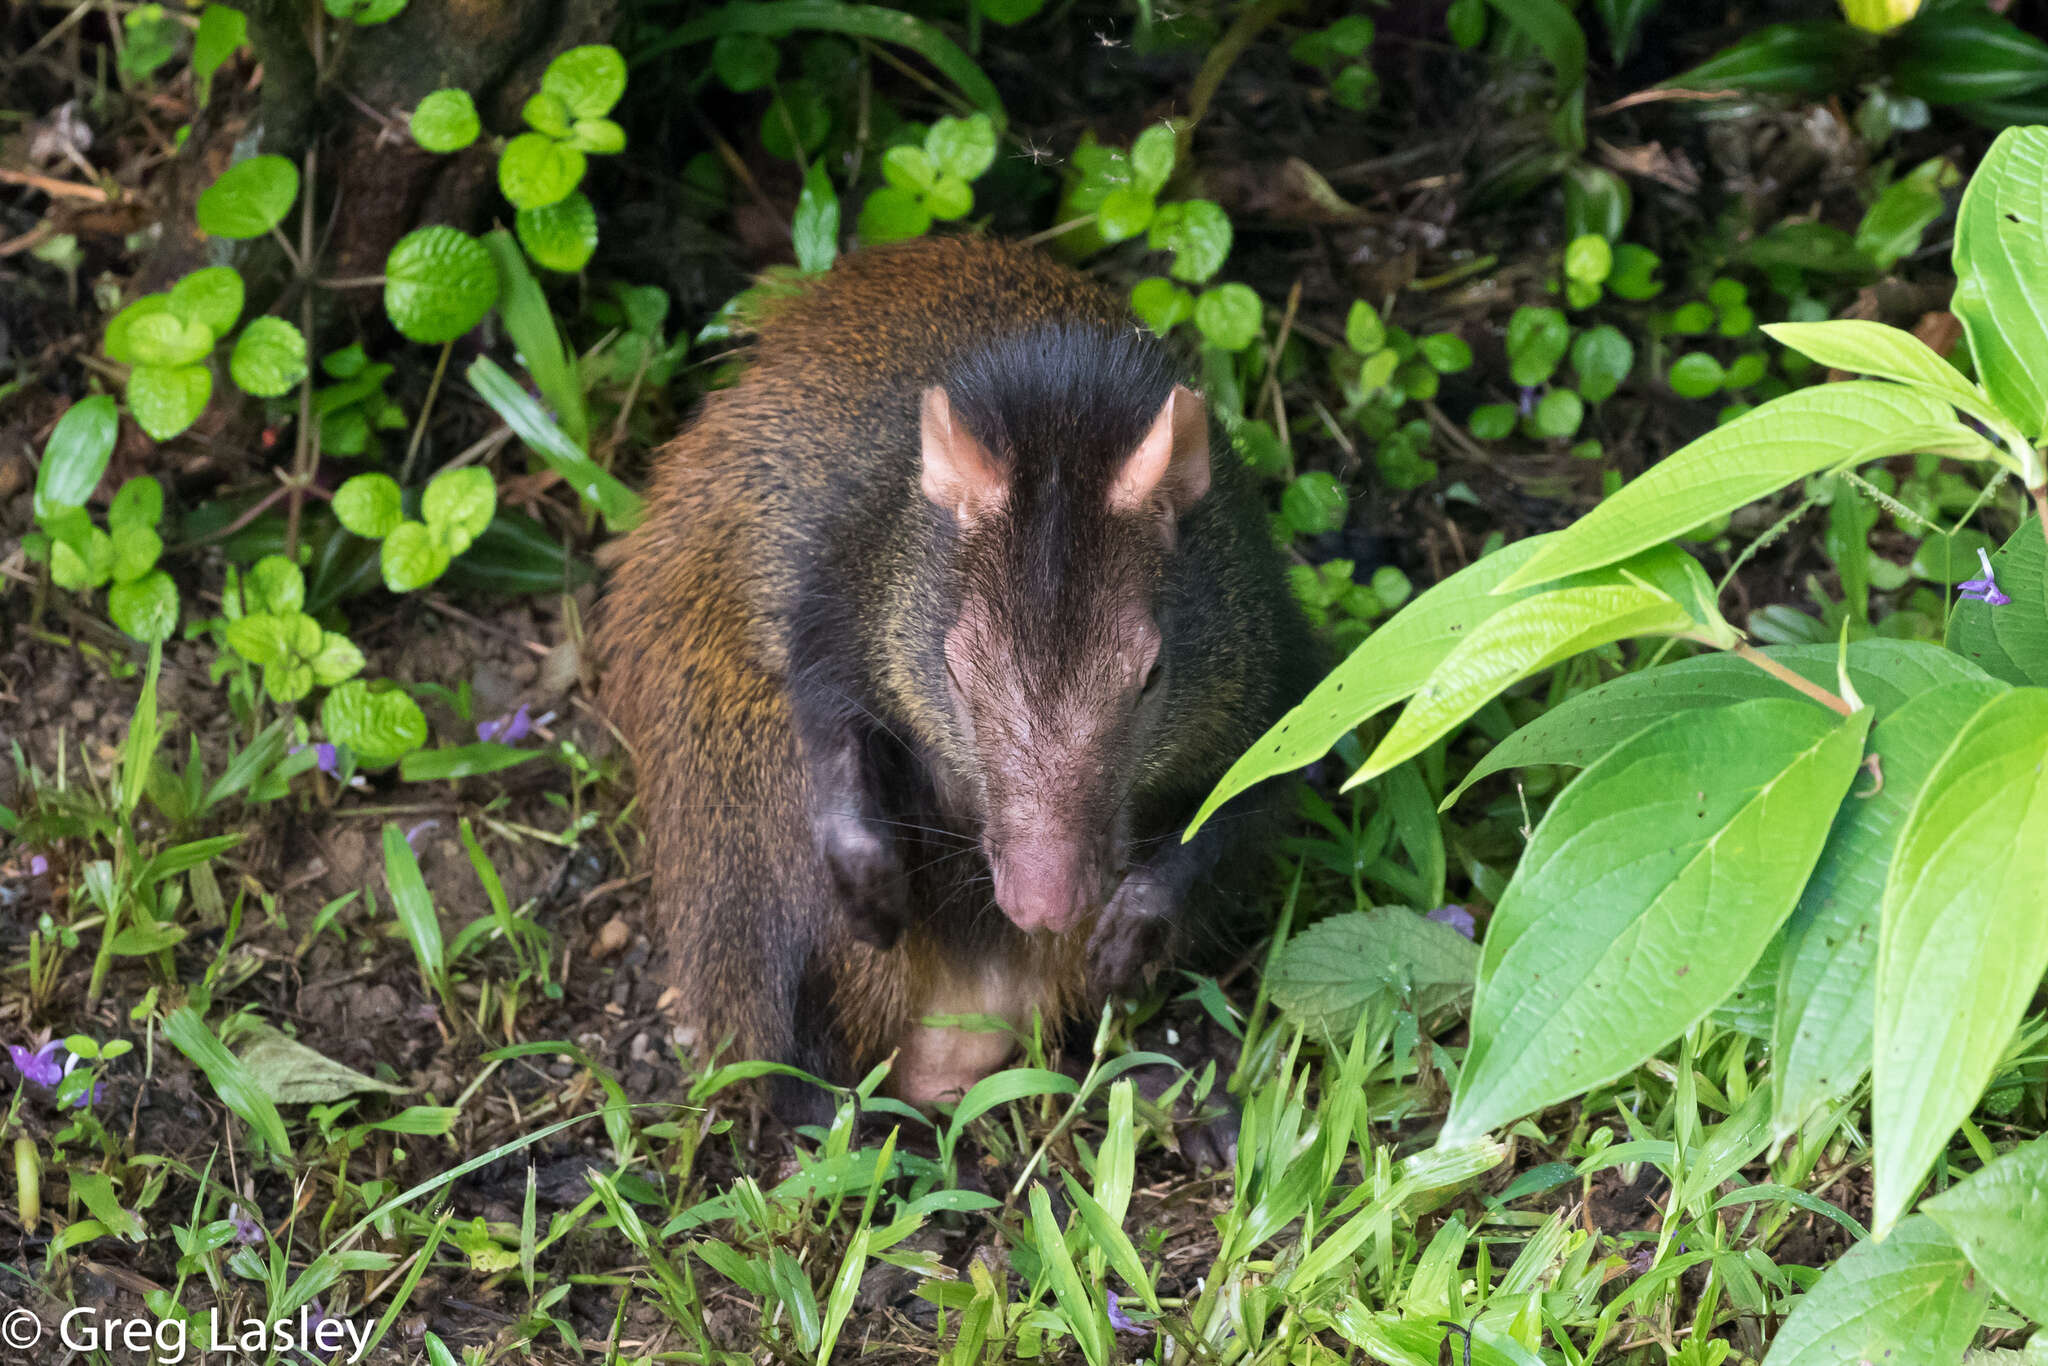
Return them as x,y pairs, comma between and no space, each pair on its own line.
1044,886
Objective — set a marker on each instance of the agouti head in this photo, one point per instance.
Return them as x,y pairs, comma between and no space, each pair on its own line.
1060,462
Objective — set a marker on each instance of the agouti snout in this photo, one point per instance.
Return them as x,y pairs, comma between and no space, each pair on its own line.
943,620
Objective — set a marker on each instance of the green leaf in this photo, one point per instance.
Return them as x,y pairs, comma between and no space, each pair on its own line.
148,332
599,137
411,557
560,237
261,639
222,29
1696,375
269,358
1963,949
1893,227
949,198
462,501
1364,331
1125,212
378,727
274,586
1152,158
211,297
292,1074
1549,25
462,761
2001,265
1008,12
1996,1217
1589,259
745,61
546,114
167,399
337,660
1446,352
1197,232
535,171
1601,359
2010,641
438,284
1645,896
1328,974
250,198
445,121
1161,304
1530,635
369,505
135,551
146,608
1827,977
1778,59
1965,55
893,214
96,1192
229,1078
909,168
1557,415
83,561
138,502
76,456
591,482
1315,503
589,79
411,901
1885,352
815,228
1537,338
962,147
1908,1298
1828,426
364,13
1229,316
796,122
524,309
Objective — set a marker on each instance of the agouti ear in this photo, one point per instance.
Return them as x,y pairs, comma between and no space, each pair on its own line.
959,473
1171,465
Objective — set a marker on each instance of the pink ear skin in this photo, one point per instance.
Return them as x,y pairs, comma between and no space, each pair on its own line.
1170,467
960,475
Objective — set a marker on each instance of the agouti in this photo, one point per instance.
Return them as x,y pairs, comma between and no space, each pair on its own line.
942,621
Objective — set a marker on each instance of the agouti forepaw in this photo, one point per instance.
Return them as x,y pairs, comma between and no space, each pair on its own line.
868,875
1130,930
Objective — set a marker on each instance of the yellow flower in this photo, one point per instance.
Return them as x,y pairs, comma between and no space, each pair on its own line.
1879,16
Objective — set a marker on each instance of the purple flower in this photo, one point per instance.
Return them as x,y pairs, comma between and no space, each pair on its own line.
1457,917
1984,590
323,758
1525,403
248,1229
412,836
37,865
44,1071
1122,1322
508,729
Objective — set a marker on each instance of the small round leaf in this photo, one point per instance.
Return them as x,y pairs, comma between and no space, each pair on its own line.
1696,375
588,79
364,13
250,198
438,283
1492,421
547,114
446,121
369,505
136,549
1364,331
1161,304
909,168
380,728
949,198
745,61
269,358
1197,232
561,236
148,332
797,121
1589,259
1447,352
599,137
1125,212
1601,357
338,659
535,171
146,608
212,297
963,147
1229,316
460,503
274,586
892,214
138,502
1558,414
411,558
1152,159
166,399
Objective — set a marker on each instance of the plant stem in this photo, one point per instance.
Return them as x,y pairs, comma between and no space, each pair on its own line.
307,453
1743,650
419,428
1218,63
2040,497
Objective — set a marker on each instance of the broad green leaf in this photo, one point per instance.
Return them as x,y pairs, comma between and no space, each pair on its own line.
229,1078
1229,315
338,660
2001,265
462,501
535,171
166,399
1780,59
949,198
269,358
1537,340
547,114
1601,359
560,237
599,137
149,332
76,455
96,1192
438,283
135,551
211,297
1894,225
590,481
1824,427
909,168
1393,662
462,761
1870,348
1532,634
1996,1216
1161,304
221,31
411,558
260,639
1964,944
1645,896
1550,25
1088,1323
745,61
1197,232
292,1074
370,505
83,561
380,727
445,121
250,198
962,147
815,227
892,214
1885,673
1958,54
1124,212
274,585
1827,978
1152,156
1910,1298
138,502
146,608
2010,641
589,79
1327,974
